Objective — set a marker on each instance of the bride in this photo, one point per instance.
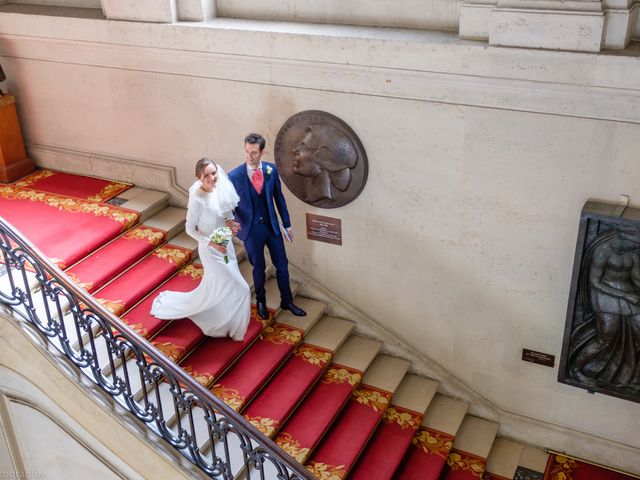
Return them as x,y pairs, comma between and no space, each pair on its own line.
221,303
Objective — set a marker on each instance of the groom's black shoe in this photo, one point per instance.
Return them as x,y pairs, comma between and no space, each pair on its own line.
297,311
263,313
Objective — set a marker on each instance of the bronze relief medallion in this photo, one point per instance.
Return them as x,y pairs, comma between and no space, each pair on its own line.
321,159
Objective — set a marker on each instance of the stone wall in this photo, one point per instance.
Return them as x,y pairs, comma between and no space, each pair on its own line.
480,160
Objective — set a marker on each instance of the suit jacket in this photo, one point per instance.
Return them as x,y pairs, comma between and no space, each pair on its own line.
272,189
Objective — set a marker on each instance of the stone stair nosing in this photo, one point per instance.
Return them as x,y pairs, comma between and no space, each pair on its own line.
476,436
471,447
169,219
533,460
146,202
503,459
426,457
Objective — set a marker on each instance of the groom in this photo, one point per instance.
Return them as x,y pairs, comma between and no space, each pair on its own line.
260,191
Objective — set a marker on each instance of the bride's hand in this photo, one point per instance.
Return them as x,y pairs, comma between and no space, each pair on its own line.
234,226
222,249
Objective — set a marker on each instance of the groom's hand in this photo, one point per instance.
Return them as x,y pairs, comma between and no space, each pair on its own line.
233,225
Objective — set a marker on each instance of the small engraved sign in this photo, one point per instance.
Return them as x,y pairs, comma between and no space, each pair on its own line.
324,229
538,357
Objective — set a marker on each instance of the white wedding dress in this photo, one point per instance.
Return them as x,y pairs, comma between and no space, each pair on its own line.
221,304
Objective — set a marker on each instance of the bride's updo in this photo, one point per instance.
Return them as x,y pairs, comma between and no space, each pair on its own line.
203,163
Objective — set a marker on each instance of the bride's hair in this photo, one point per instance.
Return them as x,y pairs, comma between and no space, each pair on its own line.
203,163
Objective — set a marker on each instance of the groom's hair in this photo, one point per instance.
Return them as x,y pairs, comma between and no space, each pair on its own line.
254,138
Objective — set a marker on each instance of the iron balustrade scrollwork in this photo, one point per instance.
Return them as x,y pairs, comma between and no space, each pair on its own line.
136,374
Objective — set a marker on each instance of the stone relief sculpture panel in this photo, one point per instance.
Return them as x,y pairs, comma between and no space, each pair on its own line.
601,349
321,159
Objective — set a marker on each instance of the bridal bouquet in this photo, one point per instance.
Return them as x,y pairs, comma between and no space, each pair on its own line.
222,236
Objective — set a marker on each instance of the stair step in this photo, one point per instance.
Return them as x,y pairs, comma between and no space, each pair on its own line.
146,202
314,311
185,241
503,459
432,443
130,287
349,435
176,341
170,220
305,428
470,448
240,384
476,436
533,459
246,270
215,355
357,353
104,264
139,317
330,334
275,403
272,291
401,421
385,373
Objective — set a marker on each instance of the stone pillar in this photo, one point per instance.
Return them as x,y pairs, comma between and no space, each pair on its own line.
196,10
575,25
157,11
14,163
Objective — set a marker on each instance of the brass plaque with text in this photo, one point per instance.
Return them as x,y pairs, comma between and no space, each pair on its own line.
324,229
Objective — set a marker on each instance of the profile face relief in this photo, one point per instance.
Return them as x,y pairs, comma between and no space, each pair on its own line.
303,163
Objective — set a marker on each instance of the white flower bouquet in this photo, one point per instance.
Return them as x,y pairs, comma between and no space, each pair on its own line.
222,236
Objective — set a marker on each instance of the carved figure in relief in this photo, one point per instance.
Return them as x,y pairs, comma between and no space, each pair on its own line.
605,348
325,156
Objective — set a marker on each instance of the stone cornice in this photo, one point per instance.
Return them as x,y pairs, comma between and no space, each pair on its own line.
597,93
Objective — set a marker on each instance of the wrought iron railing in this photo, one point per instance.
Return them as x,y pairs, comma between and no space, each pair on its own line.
132,371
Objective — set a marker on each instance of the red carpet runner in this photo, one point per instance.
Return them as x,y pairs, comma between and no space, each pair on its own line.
304,430
104,264
140,319
215,355
275,403
347,438
133,285
64,228
560,467
427,456
463,466
76,186
389,445
240,384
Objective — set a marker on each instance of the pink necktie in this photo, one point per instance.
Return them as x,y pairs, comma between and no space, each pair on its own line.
257,180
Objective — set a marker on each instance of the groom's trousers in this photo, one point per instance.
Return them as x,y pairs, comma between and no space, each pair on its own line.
262,235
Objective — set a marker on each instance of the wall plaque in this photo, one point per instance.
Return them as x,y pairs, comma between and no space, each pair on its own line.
321,159
538,357
601,346
324,229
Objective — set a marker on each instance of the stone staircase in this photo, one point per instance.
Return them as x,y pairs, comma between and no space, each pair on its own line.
328,397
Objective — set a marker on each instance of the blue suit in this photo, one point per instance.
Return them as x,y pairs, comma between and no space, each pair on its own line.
259,226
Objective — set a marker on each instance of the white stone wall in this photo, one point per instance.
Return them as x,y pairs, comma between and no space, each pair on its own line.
480,159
